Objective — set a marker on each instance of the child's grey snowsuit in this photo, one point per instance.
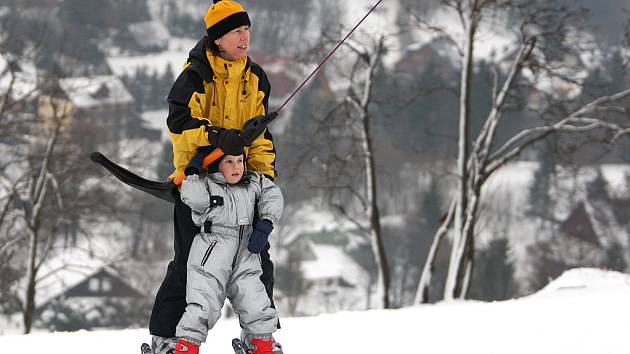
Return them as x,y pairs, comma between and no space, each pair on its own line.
219,263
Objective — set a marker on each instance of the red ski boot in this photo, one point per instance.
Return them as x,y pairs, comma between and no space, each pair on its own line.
262,346
186,347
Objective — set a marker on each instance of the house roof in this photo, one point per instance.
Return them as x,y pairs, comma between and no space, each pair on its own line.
157,120
150,33
578,225
598,222
284,73
331,262
621,207
95,91
71,266
116,287
61,274
606,223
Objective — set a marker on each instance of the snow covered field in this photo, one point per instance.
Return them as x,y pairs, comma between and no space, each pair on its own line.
583,311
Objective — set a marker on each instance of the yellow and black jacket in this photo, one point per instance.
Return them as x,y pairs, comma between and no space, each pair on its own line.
211,91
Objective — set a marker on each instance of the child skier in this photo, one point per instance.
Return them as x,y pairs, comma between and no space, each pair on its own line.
223,261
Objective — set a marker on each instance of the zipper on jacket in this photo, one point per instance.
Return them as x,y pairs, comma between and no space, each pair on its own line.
208,251
238,249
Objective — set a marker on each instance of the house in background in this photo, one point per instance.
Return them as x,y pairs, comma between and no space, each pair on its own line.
149,36
99,108
103,283
326,266
285,74
594,234
84,300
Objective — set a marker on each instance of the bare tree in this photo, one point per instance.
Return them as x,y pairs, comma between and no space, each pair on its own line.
40,239
542,29
347,153
360,99
52,197
42,169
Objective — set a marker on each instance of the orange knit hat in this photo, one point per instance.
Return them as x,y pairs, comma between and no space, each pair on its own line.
224,16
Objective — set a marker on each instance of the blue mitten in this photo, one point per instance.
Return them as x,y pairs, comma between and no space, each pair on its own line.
258,238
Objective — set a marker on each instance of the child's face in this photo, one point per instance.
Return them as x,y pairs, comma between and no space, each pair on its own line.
232,168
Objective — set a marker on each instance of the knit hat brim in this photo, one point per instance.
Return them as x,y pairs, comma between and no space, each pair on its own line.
214,166
227,24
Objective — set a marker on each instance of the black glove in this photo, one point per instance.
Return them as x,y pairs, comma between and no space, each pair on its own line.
256,126
228,140
195,166
258,238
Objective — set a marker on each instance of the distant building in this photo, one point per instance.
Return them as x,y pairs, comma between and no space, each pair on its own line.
103,283
285,74
99,106
87,300
149,36
332,277
594,234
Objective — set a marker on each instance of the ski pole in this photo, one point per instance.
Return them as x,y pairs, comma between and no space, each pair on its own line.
328,56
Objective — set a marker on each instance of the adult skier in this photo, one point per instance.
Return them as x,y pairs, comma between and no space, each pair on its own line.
218,91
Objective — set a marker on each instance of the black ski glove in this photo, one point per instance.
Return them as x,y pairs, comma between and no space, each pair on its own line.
195,166
260,235
228,140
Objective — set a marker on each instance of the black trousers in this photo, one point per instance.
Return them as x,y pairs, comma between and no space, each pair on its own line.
170,301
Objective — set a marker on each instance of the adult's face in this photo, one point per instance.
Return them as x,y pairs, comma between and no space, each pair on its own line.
234,44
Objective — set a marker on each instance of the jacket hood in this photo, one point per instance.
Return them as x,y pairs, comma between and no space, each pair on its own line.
198,61
198,52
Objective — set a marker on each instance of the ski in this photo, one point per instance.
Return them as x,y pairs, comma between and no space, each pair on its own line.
145,349
237,345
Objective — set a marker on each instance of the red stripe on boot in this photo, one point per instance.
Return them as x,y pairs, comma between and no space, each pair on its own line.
263,346
185,347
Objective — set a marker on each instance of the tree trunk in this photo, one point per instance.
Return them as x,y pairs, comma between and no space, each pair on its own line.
29,296
422,294
376,236
371,188
463,150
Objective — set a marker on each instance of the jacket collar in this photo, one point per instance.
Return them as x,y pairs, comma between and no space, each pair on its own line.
219,178
225,68
198,58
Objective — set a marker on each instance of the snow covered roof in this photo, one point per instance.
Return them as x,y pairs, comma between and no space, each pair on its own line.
73,265
157,120
150,33
331,262
64,272
89,92
284,73
606,228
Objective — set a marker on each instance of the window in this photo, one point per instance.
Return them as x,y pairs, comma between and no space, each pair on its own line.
106,285
94,285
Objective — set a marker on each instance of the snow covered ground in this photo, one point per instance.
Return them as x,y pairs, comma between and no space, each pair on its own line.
583,311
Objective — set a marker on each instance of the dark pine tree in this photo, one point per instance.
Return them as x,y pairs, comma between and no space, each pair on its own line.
493,277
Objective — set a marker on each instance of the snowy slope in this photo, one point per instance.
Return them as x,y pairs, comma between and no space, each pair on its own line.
584,311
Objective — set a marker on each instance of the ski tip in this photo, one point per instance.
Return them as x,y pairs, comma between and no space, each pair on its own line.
97,157
145,349
237,344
